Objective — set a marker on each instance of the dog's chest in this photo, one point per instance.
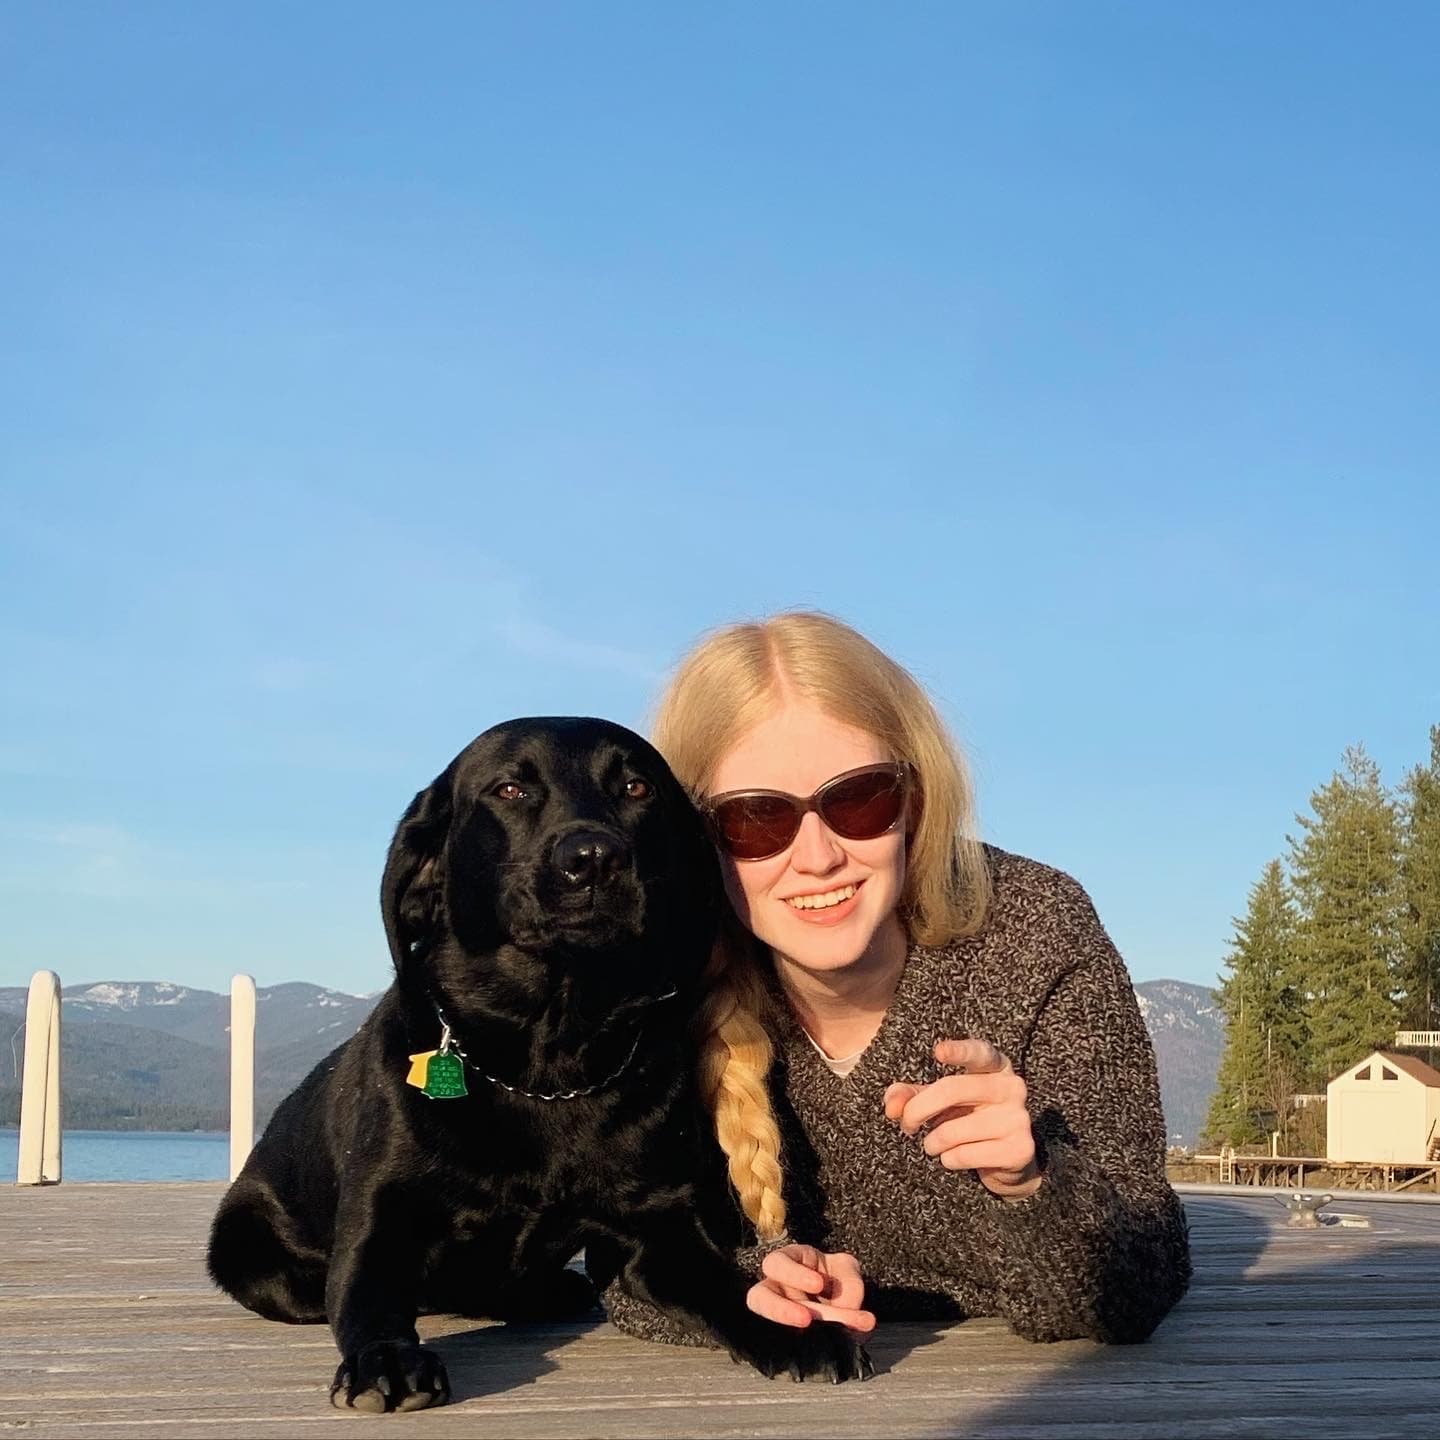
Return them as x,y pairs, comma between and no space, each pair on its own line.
565,1176
524,1222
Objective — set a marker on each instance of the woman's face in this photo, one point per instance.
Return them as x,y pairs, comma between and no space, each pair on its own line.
797,749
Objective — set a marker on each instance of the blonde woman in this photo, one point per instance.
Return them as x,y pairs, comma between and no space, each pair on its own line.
924,1057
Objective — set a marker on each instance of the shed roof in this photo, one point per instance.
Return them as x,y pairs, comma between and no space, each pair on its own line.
1413,1066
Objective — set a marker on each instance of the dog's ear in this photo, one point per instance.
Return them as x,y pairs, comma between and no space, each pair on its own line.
410,890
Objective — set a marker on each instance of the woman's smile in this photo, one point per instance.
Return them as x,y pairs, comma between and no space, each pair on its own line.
826,907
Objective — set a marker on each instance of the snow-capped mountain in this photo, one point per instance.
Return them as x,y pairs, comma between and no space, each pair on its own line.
1188,1033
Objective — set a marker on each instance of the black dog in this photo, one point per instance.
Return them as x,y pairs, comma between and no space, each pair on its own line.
550,902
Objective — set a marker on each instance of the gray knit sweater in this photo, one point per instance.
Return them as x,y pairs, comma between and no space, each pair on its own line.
1100,1248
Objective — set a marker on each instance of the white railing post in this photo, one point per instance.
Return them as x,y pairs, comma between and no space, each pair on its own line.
40,1138
242,1071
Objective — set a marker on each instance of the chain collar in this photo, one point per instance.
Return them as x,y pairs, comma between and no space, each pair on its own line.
449,1046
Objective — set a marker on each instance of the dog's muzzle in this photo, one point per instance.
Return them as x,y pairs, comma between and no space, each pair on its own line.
590,858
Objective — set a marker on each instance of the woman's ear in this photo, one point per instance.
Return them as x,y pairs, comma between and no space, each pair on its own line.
410,888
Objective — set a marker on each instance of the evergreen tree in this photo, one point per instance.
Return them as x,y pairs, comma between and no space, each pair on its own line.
1265,1038
1420,892
1345,871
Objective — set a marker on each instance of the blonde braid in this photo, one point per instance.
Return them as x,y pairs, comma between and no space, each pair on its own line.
735,1055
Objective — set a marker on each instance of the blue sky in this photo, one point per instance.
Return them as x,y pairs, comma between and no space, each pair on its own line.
374,374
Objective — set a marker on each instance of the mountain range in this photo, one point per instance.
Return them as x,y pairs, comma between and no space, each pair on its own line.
147,1055
150,1055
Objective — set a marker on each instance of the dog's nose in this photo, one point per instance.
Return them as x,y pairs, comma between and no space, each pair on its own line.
590,857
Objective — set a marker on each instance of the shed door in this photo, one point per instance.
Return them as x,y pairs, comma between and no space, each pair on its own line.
1372,1124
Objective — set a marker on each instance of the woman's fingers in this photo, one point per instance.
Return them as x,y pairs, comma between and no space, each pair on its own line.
990,1123
798,1266
952,1091
804,1273
973,1055
972,1119
788,1311
845,1289
1013,1156
897,1096
861,1320
802,1284
770,1303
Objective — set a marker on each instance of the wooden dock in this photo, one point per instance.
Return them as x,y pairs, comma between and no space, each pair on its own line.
1297,1172
109,1328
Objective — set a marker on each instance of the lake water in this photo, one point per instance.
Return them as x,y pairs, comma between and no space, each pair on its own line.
130,1155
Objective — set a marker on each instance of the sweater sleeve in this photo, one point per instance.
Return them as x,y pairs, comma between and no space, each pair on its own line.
628,1313
1100,1250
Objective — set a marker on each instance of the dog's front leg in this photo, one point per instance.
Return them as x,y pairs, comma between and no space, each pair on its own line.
371,1299
678,1269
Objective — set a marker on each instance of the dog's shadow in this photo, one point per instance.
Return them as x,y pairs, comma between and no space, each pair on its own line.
895,1340
495,1358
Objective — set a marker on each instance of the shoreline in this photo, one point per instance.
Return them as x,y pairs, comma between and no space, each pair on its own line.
121,1130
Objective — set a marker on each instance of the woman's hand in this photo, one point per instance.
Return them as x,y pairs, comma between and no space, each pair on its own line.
977,1118
802,1284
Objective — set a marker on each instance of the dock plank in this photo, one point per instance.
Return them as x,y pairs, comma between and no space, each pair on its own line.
110,1328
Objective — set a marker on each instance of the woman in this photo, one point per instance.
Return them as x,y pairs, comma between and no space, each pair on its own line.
924,1056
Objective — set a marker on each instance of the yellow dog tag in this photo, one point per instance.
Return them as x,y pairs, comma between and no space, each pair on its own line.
420,1068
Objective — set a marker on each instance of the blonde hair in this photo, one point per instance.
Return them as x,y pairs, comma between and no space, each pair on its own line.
734,678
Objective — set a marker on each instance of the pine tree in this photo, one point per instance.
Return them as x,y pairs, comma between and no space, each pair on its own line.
1265,1036
1420,893
1345,871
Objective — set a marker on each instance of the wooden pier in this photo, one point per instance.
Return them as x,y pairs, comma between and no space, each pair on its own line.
1296,1172
109,1328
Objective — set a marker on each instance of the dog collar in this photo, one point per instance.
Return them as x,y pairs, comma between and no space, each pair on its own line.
440,1074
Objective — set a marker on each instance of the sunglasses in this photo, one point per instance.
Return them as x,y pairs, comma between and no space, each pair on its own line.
857,805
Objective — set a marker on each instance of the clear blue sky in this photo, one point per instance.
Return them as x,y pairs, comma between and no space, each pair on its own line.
371,374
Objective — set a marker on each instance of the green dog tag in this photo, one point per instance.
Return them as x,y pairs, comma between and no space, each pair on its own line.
445,1078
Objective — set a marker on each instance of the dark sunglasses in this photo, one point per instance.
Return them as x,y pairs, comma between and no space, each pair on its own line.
857,805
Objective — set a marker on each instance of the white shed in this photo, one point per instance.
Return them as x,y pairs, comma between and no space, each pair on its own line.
1384,1108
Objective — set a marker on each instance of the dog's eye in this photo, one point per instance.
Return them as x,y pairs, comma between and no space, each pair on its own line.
510,790
637,789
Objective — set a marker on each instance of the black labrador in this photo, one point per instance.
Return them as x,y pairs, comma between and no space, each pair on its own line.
524,1089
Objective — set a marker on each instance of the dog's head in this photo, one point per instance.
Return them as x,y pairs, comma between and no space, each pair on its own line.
561,839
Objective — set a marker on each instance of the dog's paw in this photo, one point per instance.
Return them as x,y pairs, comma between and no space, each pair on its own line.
390,1375
823,1350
